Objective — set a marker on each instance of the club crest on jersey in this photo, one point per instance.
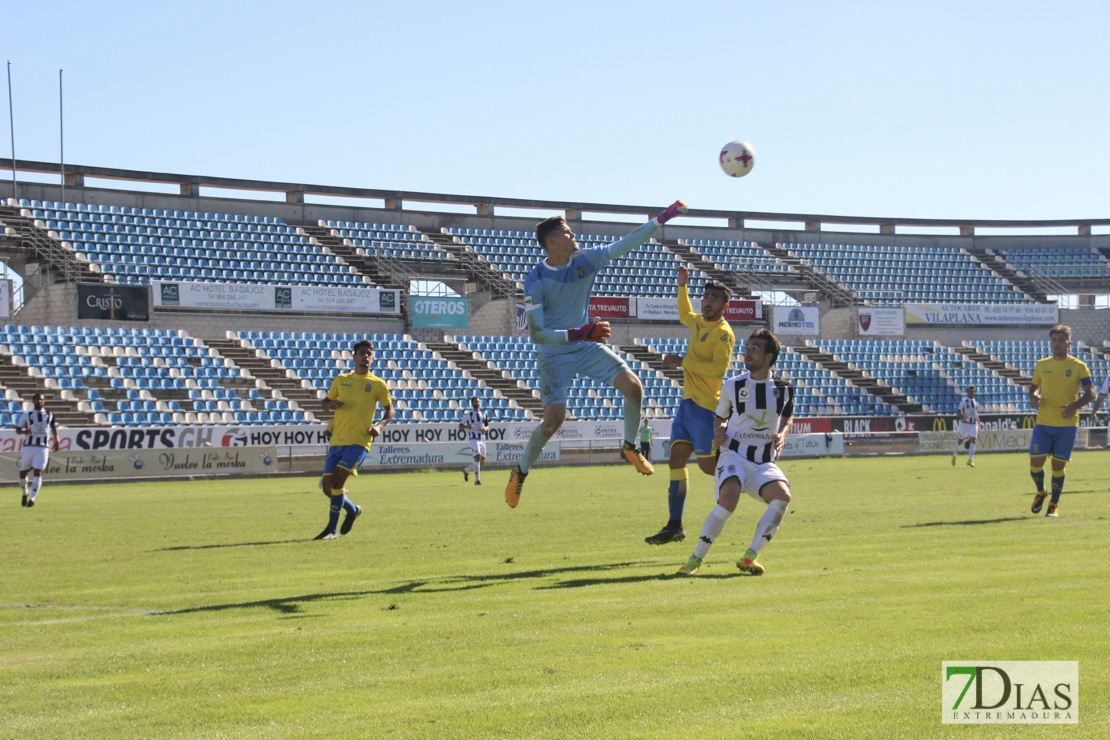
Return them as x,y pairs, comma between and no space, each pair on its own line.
745,394
581,272
1067,373
368,389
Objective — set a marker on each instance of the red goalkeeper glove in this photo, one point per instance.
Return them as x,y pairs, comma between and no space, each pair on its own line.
595,331
674,209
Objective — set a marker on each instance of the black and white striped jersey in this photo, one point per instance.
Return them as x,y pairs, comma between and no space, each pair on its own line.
755,409
42,426
475,421
968,410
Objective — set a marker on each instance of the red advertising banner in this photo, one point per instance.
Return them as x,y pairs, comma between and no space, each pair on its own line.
610,308
744,311
808,425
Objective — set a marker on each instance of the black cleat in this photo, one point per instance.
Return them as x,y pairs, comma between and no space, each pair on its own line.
24,500
30,503
349,520
669,533
327,534
466,475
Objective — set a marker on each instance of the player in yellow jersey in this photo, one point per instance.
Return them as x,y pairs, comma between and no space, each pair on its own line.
354,397
704,366
1061,386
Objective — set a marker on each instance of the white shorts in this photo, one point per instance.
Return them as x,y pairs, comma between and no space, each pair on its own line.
478,447
967,429
752,476
34,457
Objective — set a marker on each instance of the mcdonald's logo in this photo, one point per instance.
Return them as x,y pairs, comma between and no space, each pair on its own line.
940,424
1028,422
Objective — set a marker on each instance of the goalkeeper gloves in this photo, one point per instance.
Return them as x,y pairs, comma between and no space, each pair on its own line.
595,331
674,209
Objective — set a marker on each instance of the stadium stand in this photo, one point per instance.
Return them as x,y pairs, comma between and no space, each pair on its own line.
136,245
403,242
742,256
1060,263
890,275
1023,356
145,377
423,385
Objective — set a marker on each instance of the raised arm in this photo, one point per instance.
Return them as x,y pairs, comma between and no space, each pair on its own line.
641,234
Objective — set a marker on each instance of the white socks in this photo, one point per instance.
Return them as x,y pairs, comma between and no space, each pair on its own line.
36,484
714,523
769,523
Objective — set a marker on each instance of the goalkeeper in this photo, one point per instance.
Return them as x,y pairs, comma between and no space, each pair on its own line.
556,304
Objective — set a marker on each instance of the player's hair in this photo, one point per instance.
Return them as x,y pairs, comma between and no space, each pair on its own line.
771,344
362,343
38,395
718,285
972,388
548,225
1060,329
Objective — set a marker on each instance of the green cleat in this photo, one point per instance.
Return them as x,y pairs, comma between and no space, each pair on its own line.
693,565
750,565
970,464
953,460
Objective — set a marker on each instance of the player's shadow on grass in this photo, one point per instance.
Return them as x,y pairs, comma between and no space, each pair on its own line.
470,582
586,582
291,605
229,544
967,522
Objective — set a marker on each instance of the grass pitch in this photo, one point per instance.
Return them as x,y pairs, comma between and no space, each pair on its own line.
202,609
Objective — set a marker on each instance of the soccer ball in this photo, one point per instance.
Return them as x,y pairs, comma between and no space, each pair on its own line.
737,158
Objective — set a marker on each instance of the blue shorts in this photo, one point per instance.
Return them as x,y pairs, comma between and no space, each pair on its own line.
694,424
589,359
347,457
1055,441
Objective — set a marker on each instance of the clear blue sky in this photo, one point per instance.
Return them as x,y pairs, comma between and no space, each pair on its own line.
969,109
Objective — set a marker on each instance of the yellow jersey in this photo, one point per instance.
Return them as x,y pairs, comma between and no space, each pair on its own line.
361,395
708,354
1060,381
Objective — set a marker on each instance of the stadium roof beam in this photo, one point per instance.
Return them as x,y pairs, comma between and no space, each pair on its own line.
190,185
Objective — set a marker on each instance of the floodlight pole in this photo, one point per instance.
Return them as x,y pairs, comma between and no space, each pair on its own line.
61,137
11,121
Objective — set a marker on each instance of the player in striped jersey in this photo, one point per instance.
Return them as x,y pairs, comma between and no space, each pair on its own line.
476,424
42,436
753,419
556,311
967,426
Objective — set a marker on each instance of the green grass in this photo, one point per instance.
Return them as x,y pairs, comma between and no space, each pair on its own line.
201,609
